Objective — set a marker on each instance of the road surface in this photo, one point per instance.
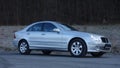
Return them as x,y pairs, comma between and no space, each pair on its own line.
37,60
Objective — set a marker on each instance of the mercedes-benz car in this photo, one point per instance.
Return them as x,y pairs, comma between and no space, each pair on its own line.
49,36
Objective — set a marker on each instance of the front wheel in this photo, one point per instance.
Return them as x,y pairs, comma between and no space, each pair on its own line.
77,48
24,48
97,54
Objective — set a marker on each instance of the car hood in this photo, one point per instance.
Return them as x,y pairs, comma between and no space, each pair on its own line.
82,34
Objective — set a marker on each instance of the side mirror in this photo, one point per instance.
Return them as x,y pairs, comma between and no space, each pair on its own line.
56,30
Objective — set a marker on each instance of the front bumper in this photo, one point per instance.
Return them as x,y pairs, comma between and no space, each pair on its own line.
100,48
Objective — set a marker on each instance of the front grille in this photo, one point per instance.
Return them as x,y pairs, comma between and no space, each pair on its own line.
106,47
104,40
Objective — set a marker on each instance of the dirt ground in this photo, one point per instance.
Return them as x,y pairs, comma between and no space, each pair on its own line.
110,31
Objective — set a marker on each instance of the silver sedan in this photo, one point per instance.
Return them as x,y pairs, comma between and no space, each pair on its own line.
49,36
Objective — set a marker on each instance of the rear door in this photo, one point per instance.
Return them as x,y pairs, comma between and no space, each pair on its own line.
34,35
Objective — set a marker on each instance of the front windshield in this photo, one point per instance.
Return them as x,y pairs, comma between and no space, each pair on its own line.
67,27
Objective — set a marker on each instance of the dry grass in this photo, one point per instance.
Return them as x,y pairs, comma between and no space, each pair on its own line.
7,49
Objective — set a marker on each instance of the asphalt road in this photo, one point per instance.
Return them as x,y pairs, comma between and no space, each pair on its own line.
37,60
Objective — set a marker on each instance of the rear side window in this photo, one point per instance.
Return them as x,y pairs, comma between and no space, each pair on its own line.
48,27
36,27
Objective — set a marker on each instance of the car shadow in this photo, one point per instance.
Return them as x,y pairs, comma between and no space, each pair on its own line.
54,54
65,55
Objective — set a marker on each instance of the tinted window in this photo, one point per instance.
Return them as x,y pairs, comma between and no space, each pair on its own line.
36,27
48,27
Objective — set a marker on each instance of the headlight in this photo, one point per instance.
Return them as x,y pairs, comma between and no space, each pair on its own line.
95,38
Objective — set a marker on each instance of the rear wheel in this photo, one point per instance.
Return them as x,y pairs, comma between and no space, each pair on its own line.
24,48
46,52
78,48
97,54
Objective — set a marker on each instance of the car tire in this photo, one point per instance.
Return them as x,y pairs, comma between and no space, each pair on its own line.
46,52
97,54
24,48
78,48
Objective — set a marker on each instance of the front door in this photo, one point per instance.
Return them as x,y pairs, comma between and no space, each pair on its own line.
52,39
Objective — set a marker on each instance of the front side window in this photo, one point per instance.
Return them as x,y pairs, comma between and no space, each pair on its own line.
48,27
36,27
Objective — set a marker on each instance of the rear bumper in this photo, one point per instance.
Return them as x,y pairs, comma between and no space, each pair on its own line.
15,43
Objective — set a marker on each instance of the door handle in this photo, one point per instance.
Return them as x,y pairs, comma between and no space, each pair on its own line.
28,33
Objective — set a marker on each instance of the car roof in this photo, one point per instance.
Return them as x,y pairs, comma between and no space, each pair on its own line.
45,22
